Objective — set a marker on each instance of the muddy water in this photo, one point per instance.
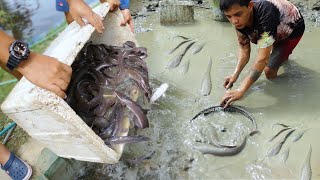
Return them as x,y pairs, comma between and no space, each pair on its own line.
291,99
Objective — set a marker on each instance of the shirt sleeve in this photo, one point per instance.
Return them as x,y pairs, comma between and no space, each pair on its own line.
124,4
267,28
243,39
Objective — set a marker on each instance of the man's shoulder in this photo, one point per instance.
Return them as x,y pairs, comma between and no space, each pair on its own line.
264,5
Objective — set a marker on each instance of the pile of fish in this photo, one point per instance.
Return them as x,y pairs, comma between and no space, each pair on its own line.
306,171
206,83
102,82
215,147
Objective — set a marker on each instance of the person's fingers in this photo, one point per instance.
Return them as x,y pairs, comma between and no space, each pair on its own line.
67,69
55,89
97,23
230,84
223,101
226,83
112,7
62,84
123,22
131,25
79,21
228,102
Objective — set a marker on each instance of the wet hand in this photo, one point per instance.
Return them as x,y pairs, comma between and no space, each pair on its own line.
47,72
228,82
231,96
79,9
114,4
127,18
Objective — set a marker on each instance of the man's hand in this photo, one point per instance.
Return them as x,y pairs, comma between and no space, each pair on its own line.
127,19
79,9
46,72
114,4
228,83
231,96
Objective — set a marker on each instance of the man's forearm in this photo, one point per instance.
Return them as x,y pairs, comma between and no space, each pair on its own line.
243,58
254,74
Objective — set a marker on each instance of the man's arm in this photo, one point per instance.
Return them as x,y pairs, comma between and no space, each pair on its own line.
114,4
43,71
255,72
79,9
257,68
127,18
243,58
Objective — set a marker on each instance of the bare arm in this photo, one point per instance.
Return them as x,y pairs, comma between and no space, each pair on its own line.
114,4
79,9
243,58
244,53
41,70
256,70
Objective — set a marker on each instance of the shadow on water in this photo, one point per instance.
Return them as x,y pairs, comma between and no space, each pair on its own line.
15,17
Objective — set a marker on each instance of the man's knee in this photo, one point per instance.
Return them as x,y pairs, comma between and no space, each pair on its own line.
270,73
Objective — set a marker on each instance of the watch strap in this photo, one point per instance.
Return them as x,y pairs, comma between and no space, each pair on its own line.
13,62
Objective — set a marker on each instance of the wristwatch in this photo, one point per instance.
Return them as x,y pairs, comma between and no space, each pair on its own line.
18,52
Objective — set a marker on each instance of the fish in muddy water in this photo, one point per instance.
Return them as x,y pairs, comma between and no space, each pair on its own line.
306,171
197,48
176,60
231,108
280,124
211,133
185,67
175,48
284,156
159,92
281,131
125,139
275,149
210,149
299,135
180,36
137,161
206,83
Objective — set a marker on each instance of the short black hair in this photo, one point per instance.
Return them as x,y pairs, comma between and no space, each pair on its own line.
226,4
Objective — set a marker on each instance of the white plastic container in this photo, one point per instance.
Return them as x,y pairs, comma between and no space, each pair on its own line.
48,118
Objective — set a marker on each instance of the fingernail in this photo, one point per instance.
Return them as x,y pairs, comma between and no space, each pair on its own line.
65,97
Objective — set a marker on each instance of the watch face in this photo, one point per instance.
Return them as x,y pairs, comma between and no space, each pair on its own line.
19,49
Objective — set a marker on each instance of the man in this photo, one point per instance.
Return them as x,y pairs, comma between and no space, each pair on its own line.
43,71
62,5
276,26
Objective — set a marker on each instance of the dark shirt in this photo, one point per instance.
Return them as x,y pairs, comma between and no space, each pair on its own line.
273,21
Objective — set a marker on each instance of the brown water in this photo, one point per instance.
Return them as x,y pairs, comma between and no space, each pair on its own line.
291,99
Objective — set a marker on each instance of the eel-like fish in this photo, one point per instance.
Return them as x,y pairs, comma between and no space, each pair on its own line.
206,83
142,120
306,171
231,108
176,60
275,149
125,139
209,149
